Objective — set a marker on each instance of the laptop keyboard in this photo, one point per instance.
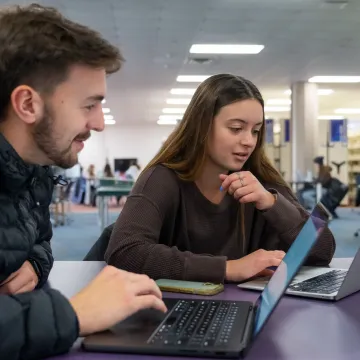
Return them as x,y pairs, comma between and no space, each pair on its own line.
197,323
327,283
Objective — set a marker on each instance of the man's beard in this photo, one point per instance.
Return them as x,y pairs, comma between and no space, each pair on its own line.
48,142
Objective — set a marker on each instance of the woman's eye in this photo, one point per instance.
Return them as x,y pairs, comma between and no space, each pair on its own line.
235,130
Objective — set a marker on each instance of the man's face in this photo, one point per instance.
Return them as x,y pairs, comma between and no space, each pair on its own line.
69,115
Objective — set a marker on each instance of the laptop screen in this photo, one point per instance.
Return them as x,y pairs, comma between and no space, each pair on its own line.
290,265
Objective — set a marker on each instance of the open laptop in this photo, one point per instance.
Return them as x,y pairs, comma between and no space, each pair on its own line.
318,282
211,328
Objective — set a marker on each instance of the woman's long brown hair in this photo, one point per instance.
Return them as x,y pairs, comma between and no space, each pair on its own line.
185,150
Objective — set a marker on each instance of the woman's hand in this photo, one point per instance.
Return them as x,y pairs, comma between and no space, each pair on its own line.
254,264
246,188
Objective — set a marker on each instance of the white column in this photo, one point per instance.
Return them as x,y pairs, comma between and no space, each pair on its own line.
304,128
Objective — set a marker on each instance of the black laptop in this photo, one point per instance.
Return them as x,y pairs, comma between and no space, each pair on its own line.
210,328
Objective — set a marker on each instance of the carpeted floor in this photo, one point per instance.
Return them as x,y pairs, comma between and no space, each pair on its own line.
72,241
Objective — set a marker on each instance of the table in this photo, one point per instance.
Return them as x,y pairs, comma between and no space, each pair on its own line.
103,193
299,329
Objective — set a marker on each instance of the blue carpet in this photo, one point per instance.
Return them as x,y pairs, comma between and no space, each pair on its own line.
73,241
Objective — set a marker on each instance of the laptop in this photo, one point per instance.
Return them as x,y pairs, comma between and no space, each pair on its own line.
317,282
211,328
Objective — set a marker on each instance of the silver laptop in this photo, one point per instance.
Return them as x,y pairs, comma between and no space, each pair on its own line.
316,282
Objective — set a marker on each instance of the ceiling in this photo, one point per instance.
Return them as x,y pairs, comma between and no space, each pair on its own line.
302,38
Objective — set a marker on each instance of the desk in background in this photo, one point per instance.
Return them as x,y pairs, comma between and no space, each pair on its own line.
299,329
103,193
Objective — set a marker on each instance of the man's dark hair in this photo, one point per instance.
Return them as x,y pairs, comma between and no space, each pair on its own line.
38,45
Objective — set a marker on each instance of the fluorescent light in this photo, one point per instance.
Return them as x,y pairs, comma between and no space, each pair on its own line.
319,91
178,101
347,111
180,91
105,110
335,79
331,117
108,117
225,49
173,110
192,78
167,122
276,108
324,91
171,117
278,102
110,122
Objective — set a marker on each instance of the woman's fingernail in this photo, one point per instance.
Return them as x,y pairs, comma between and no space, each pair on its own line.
221,188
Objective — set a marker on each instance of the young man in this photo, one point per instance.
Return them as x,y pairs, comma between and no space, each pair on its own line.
38,324
53,79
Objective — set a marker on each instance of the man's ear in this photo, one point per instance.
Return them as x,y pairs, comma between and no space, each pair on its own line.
27,104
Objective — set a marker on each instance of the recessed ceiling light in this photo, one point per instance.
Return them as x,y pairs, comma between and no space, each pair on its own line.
278,102
110,122
331,117
173,110
108,117
105,110
335,79
171,117
178,101
192,78
276,108
319,91
179,91
225,49
167,122
324,91
347,111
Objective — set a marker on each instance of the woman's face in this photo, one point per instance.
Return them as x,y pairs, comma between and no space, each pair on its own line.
235,134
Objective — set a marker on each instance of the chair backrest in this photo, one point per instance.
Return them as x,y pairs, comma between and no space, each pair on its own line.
97,251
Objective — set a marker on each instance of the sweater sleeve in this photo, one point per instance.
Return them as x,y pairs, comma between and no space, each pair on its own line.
134,244
285,220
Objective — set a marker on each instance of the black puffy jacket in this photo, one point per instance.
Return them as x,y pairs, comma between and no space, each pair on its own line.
38,323
25,227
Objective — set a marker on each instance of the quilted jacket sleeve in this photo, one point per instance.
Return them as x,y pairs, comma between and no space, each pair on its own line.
36,325
21,240
41,251
15,239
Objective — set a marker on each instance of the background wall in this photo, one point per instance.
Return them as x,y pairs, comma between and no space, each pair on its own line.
140,142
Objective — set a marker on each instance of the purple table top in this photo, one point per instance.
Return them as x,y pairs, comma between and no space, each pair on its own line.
298,329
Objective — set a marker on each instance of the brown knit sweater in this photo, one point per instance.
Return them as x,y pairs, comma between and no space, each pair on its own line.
168,229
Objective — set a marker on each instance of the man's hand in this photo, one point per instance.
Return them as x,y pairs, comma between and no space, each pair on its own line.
113,296
22,280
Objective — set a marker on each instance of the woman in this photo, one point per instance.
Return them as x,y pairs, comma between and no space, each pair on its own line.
133,171
107,171
324,178
210,206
